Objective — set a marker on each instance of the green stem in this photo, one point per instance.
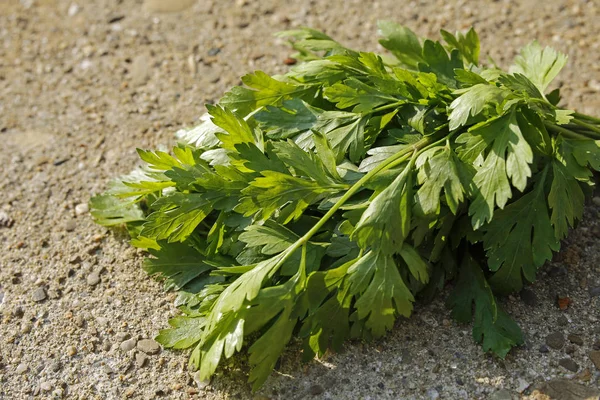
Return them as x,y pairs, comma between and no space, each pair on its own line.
587,117
564,131
388,163
586,125
387,106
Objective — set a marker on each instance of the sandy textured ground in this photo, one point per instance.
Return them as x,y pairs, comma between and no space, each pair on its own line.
83,83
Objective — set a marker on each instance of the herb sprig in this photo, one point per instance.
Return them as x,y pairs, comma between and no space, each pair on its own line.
321,204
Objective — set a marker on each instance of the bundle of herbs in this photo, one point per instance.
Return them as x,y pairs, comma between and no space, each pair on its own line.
323,203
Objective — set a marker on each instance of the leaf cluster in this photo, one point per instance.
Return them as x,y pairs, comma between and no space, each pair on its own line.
321,204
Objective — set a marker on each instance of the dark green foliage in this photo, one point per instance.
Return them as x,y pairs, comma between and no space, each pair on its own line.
324,202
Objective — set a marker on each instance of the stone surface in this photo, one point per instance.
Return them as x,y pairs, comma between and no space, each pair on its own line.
555,340
128,345
502,394
39,294
575,339
569,364
81,209
21,369
148,346
140,359
316,390
71,116
564,389
93,278
168,6
595,357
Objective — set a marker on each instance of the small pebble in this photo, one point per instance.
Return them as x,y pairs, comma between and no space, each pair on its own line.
55,366
39,294
544,349
71,351
148,346
122,336
557,272
201,384
522,385
316,390
81,209
528,297
501,394
562,321
70,226
555,340
569,364
575,339
21,369
5,220
595,357
128,345
26,327
46,386
433,394
594,291
80,321
93,279
140,359
596,201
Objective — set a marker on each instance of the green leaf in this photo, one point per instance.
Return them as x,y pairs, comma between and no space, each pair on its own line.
306,164
520,83
540,65
177,263
201,136
492,327
270,192
472,101
468,78
272,237
508,158
440,168
418,268
185,332
380,291
385,224
176,216
566,199
467,45
235,129
436,60
263,90
347,139
520,239
292,118
402,42
358,94
109,210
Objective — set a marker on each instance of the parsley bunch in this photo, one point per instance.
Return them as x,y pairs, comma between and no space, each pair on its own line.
321,204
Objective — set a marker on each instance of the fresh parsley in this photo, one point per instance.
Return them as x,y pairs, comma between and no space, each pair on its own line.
323,203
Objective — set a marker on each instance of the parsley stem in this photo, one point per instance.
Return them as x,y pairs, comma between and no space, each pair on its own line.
586,125
388,163
387,107
586,117
564,131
